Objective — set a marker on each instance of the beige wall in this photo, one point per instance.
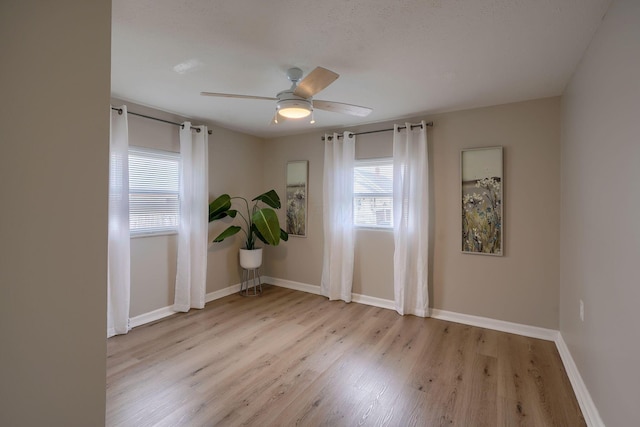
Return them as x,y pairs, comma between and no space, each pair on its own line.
153,272
235,168
520,287
54,131
299,259
153,258
600,211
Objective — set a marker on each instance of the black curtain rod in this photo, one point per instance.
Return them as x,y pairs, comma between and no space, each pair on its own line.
120,111
428,124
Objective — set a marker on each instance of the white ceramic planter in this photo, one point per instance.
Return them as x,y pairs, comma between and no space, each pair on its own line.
250,258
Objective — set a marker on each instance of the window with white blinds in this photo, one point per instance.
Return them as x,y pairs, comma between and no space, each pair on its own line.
373,193
154,186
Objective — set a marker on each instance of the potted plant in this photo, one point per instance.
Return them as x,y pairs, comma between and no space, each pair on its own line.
259,223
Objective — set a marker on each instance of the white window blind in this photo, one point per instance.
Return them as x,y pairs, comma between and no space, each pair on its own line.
373,193
154,185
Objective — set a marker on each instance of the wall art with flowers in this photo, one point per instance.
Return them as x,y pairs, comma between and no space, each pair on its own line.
482,201
296,203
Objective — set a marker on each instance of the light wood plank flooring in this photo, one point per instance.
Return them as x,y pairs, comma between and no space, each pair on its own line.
292,358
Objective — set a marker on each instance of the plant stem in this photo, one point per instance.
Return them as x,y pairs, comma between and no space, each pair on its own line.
247,222
249,242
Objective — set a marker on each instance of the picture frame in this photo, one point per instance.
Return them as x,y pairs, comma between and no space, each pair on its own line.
296,198
482,201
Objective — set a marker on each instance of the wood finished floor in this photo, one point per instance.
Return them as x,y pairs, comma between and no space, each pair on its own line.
292,358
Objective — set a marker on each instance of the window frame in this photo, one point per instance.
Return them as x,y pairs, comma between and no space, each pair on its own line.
155,153
386,161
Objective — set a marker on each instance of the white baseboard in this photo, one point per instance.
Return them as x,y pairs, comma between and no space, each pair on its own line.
376,302
290,284
497,325
315,289
163,312
588,407
589,410
229,290
384,303
151,316
483,322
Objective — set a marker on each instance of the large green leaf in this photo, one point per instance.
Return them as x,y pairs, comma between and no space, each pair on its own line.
257,233
230,213
215,217
230,231
270,198
283,235
267,224
219,207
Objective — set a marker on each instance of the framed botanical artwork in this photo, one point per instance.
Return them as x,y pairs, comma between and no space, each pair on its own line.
482,191
296,203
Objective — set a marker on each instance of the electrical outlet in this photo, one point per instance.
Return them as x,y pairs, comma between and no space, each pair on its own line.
582,310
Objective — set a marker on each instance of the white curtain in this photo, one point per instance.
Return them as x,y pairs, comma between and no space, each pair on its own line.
411,220
337,214
192,233
119,262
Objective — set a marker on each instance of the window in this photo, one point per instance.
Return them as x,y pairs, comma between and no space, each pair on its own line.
154,185
373,193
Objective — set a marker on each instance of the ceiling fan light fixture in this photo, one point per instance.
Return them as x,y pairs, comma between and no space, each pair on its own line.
294,109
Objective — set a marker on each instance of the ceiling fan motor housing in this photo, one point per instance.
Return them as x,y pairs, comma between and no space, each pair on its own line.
294,74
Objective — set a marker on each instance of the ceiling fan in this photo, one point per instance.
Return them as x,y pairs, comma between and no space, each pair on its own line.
297,102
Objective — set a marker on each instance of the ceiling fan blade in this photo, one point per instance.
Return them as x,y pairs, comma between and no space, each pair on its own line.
231,95
314,82
338,107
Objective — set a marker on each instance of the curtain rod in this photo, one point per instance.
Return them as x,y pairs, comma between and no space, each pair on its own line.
428,124
119,110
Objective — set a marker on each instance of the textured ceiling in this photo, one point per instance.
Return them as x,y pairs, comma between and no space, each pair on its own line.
401,58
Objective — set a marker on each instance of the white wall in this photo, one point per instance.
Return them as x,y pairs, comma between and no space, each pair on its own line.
54,131
520,287
600,213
